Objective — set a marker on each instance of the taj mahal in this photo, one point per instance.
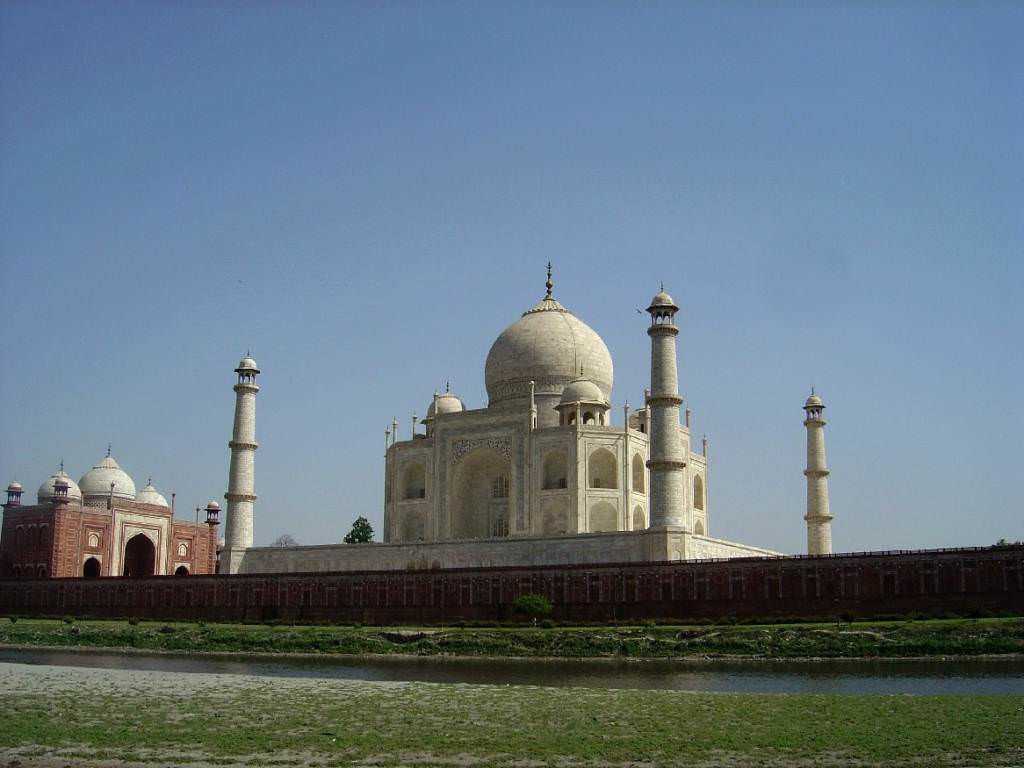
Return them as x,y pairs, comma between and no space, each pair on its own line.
540,476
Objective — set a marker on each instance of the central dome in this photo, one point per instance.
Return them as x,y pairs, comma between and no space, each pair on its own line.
549,346
95,483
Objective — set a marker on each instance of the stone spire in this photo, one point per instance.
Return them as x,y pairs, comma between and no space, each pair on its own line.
818,517
240,495
668,459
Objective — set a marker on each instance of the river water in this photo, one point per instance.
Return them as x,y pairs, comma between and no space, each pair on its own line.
839,676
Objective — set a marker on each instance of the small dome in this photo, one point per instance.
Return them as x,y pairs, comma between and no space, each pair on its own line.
814,401
248,365
662,299
95,483
14,486
446,403
212,505
45,493
150,495
582,391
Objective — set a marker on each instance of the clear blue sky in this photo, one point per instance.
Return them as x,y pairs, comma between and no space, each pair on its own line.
366,196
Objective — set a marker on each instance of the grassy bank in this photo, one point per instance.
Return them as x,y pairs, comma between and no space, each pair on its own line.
966,637
55,716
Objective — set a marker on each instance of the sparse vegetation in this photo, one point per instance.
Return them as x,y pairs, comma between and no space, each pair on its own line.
967,637
76,717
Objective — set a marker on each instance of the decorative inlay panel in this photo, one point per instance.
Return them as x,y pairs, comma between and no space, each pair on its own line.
462,447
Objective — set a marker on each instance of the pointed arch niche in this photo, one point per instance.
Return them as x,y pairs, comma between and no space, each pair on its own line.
603,517
414,481
555,475
479,495
602,469
639,476
639,518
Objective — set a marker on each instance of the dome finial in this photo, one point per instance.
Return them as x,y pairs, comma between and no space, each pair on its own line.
61,463
447,387
549,284
109,446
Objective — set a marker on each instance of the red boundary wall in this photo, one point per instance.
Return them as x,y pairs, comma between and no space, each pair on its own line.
929,582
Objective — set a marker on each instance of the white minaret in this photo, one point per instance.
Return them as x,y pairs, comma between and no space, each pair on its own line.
668,458
240,496
819,519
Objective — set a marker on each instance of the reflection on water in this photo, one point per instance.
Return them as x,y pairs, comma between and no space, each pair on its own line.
846,676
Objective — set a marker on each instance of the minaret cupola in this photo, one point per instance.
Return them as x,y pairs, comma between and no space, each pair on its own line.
247,370
14,491
663,309
212,513
61,486
814,407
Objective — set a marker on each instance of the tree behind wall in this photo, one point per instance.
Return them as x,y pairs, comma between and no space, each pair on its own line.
361,533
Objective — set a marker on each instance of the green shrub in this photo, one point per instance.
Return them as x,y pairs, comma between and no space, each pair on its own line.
167,629
534,606
68,620
133,621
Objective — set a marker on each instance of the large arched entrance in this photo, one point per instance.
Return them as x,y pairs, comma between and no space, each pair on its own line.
479,496
139,556
91,569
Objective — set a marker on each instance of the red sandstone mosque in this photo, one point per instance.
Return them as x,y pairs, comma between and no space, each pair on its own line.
100,526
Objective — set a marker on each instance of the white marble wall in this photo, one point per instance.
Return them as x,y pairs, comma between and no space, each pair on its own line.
596,548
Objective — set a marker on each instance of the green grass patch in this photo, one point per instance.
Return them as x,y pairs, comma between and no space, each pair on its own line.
87,715
890,639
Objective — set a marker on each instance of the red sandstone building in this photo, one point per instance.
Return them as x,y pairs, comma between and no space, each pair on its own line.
100,526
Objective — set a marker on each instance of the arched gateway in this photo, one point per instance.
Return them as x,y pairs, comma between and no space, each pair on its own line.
139,556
